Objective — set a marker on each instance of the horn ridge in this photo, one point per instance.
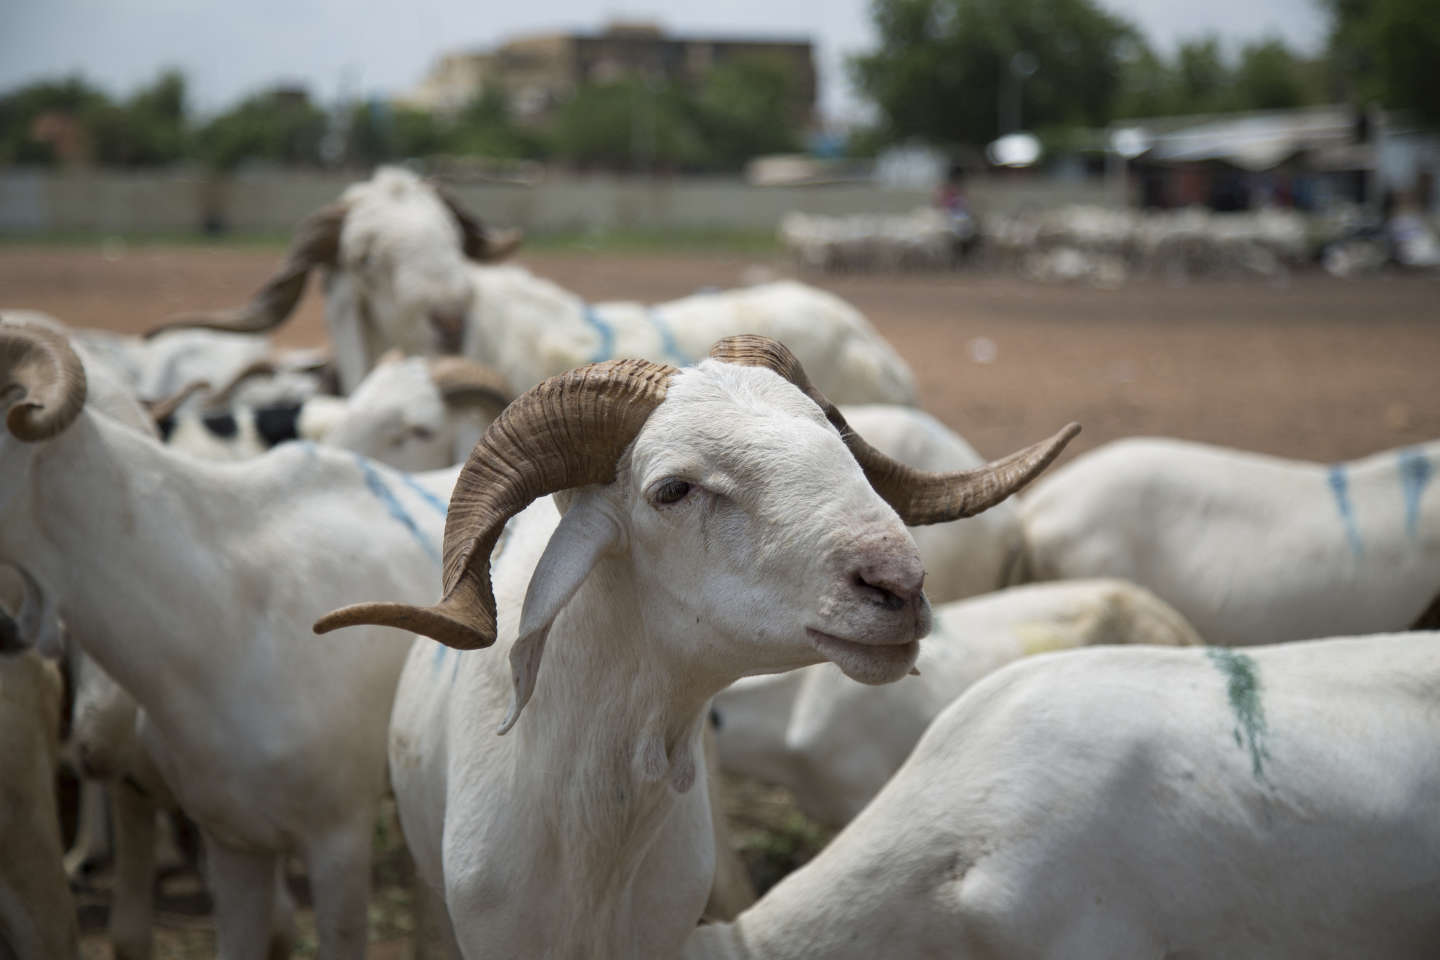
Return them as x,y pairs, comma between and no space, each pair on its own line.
316,242
461,380
52,378
918,496
478,241
568,431
166,406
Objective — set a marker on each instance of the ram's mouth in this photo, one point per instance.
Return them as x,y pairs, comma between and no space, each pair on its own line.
866,662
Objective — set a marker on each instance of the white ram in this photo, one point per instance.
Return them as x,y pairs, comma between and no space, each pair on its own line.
411,413
1245,546
714,525
189,582
395,250
1143,802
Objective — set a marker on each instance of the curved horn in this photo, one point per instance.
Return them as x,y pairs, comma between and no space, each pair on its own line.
166,406
50,375
479,241
568,431
317,242
465,381
259,367
918,496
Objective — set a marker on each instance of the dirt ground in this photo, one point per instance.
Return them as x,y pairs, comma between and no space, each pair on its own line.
1313,367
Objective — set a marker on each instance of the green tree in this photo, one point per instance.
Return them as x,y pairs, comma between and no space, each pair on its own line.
748,108
486,127
945,67
71,97
1269,76
1389,50
1202,77
279,126
630,124
147,130
1148,85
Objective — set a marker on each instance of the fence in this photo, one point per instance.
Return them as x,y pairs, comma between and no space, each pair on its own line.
40,202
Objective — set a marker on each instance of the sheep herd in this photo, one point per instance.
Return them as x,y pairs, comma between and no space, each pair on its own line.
539,568
1096,245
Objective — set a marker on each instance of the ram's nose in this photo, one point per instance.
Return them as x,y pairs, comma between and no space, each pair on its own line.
893,579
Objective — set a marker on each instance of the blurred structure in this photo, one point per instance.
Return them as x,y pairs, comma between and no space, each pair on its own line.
1310,159
539,71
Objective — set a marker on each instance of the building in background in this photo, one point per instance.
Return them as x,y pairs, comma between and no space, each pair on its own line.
536,72
1309,158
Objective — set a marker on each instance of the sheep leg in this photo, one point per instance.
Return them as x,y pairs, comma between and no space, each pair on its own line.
339,867
132,905
90,843
245,899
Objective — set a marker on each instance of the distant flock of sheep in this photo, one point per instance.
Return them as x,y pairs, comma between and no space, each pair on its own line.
683,556
1079,244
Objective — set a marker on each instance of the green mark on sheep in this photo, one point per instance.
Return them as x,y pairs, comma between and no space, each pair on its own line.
1243,687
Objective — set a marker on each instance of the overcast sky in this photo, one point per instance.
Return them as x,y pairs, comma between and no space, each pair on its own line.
354,47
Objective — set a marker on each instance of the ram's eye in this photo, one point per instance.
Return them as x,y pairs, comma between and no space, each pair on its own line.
671,491
422,433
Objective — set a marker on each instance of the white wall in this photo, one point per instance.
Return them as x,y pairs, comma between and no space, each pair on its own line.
272,202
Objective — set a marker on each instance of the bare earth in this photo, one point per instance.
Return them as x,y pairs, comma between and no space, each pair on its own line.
1315,367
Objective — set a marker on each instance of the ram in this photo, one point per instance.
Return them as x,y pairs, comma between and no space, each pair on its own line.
395,250
412,413
1143,802
707,523
1247,547
190,582
157,367
834,744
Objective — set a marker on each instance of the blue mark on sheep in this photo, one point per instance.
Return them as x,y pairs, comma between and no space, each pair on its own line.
1415,474
606,349
668,344
439,506
439,658
1340,486
385,495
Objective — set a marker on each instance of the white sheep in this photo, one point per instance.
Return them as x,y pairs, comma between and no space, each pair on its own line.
395,250
412,413
160,366
1246,546
714,525
1143,802
834,744
188,582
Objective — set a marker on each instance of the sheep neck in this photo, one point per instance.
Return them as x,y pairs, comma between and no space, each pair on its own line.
102,509
609,748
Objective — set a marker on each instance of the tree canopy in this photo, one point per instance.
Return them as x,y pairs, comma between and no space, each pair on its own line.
948,70
1389,50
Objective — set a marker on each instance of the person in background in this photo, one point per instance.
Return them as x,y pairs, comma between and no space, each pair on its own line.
951,199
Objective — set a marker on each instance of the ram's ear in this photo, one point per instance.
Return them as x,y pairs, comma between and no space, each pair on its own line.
585,533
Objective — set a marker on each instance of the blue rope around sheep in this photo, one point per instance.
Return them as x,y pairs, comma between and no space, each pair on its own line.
605,350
